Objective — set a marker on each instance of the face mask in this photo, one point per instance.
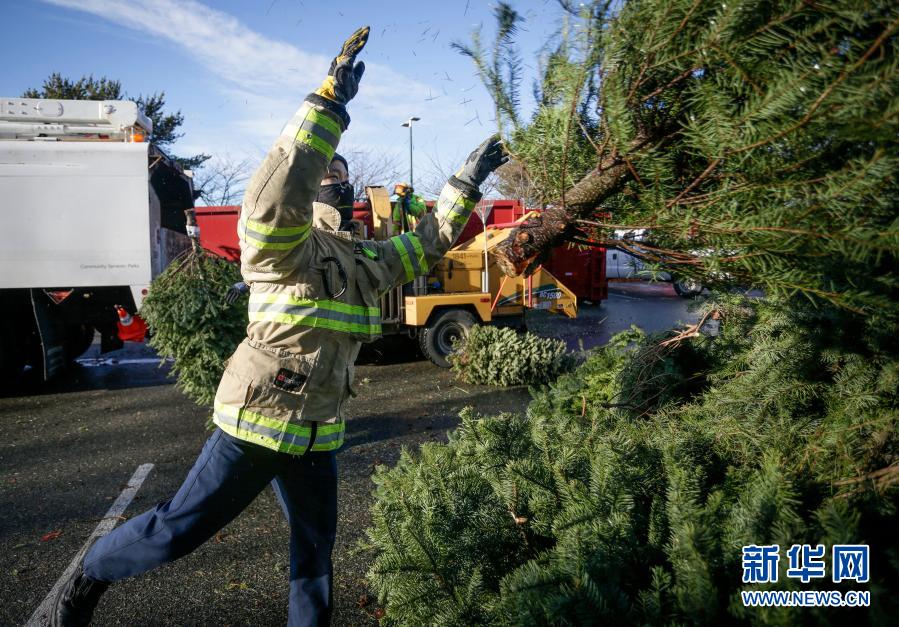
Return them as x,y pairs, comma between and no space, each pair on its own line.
338,195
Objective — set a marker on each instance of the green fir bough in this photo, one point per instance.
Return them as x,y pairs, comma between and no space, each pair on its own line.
752,142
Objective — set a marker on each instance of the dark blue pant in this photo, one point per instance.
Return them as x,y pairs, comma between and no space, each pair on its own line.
224,480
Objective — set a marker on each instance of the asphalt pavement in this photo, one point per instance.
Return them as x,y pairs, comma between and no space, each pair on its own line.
650,306
68,449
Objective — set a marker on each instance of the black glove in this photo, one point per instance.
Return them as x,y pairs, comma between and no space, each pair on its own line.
344,75
482,161
235,291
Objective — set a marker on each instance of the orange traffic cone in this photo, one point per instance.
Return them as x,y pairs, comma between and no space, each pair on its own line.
131,328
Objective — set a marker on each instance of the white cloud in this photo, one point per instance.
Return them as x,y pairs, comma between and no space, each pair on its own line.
219,41
251,68
259,82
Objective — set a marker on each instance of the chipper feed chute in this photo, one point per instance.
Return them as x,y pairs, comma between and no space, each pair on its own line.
462,270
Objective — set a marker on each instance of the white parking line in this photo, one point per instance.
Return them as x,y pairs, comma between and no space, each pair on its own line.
93,362
624,296
41,615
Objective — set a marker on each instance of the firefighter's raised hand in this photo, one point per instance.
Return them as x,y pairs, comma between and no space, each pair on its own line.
343,78
483,160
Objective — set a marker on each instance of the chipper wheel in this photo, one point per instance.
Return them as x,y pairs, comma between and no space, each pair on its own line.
445,328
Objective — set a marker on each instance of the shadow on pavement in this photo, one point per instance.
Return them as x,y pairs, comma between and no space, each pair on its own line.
134,366
437,417
393,349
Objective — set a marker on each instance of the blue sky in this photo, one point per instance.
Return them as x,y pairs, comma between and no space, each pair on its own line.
237,70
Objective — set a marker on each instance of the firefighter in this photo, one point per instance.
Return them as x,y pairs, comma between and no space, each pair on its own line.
408,208
279,408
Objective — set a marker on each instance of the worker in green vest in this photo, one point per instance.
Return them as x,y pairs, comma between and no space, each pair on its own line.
407,209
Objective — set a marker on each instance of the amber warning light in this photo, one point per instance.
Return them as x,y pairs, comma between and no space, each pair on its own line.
137,134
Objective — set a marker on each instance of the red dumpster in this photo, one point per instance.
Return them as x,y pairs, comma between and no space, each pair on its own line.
582,270
218,230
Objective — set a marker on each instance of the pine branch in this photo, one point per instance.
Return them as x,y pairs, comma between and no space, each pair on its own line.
889,30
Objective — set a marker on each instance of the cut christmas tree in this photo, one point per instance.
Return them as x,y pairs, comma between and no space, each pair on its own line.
753,144
626,491
190,322
755,141
491,355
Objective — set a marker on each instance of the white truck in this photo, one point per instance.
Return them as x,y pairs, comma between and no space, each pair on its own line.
623,266
90,213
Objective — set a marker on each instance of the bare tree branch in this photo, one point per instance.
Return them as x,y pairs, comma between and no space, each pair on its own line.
222,179
370,166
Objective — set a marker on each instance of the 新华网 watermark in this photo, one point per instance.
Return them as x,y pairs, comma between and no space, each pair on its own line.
807,563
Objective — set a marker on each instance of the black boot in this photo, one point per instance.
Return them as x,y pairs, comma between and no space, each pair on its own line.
75,603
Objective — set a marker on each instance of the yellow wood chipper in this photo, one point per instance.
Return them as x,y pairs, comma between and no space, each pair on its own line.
465,288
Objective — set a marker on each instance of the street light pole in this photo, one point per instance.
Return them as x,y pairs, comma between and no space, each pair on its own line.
409,124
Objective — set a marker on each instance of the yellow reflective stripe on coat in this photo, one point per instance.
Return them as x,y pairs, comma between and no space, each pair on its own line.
460,211
265,237
419,253
278,435
411,254
318,130
323,314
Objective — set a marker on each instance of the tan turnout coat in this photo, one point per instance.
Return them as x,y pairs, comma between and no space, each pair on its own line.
314,296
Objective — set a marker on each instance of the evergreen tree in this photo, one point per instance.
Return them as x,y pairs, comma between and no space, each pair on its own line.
191,323
756,140
165,125
491,355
